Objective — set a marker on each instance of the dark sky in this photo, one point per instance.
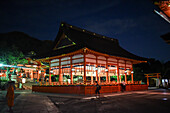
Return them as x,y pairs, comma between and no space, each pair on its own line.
132,22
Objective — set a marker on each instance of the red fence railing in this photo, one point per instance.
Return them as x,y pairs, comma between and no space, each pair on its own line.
86,89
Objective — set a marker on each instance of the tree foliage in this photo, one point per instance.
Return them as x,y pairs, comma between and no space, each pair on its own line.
152,66
11,56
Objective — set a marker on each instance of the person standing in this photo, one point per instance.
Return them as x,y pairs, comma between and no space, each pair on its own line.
97,91
123,86
10,96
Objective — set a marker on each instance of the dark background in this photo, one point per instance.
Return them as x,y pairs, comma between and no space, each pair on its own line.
132,22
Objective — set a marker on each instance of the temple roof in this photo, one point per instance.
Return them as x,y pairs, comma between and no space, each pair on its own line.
71,38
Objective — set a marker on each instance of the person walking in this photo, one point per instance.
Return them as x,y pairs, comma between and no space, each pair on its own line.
10,96
97,91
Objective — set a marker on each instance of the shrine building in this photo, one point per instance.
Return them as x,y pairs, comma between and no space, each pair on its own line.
83,57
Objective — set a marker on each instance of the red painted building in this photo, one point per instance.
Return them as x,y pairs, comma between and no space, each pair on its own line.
81,57
88,57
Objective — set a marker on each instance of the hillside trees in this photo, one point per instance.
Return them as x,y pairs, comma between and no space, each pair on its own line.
11,56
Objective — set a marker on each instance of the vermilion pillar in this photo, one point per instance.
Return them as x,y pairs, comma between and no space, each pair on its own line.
32,74
84,68
91,78
107,74
71,66
132,73
50,72
132,76
60,73
118,80
125,74
38,76
147,79
96,68
44,73
157,75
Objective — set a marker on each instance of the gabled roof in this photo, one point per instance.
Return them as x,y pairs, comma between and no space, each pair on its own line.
71,38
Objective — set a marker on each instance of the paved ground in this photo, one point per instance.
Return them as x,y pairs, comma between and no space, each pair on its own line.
155,101
27,102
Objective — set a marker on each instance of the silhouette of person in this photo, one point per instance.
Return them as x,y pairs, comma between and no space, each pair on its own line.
10,96
123,86
97,91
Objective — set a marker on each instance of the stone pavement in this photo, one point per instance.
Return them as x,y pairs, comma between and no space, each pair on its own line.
32,103
151,101
28,102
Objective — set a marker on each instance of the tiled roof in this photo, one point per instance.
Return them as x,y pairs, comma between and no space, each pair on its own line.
71,38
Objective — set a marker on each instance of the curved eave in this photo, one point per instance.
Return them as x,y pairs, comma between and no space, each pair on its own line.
116,57
82,50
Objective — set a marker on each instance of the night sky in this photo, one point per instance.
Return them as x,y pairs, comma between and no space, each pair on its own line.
132,22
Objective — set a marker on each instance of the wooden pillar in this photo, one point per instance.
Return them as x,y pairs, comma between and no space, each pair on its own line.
38,75
71,66
99,78
84,77
118,80
107,74
44,74
32,74
157,75
147,79
91,78
96,68
60,73
50,72
132,76
125,73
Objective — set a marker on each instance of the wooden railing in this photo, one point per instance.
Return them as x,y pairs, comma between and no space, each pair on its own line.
85,89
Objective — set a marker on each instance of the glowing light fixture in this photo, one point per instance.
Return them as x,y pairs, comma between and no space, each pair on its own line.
51,71
164,99
34,66
106,70
23,80
1,65
132,72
